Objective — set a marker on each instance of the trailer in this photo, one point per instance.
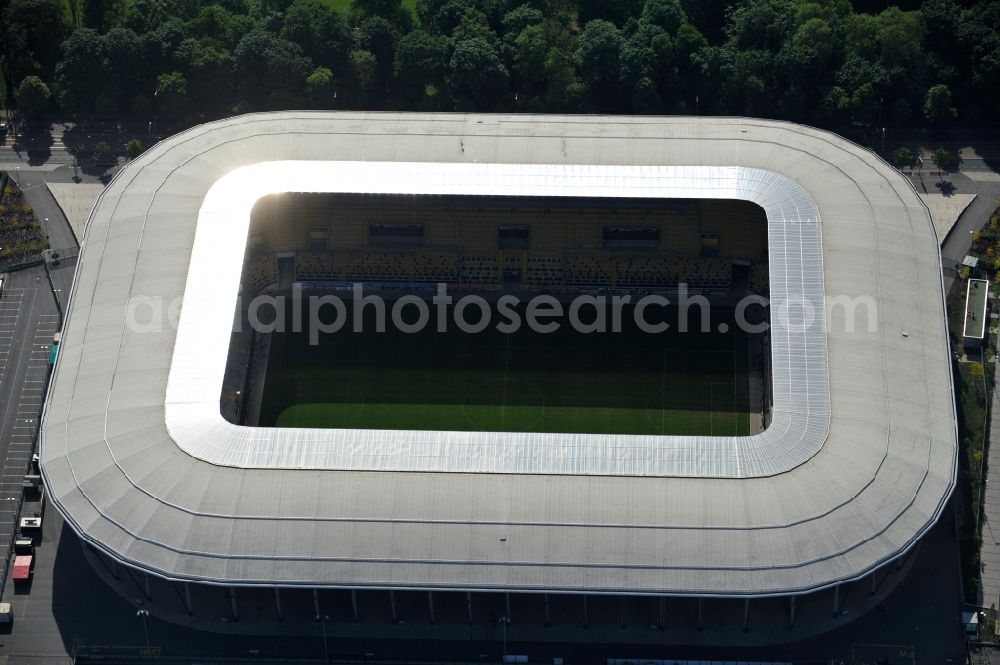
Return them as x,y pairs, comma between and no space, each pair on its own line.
23,564
32,508
54,349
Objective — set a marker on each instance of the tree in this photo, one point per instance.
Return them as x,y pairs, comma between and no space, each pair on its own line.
133,148
33,96
597,60
270,72
531,51
380,37
666,14
478,76
101,151
82,72
364,74
171,94
520,18
903,158
319,87
163,46
391,10
937,105
639,64
421,58
209,72
564,88
102,14
319,32
942,159
31,30
761,24
613,11
217,26
126,68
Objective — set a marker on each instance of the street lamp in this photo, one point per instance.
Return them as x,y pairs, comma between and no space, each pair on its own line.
145,613
13,508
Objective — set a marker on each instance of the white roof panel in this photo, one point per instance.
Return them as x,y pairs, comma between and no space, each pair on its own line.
856,466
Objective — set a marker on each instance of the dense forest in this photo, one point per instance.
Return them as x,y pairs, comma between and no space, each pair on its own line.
825,62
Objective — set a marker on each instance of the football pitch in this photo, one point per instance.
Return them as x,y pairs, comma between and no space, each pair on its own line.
629,382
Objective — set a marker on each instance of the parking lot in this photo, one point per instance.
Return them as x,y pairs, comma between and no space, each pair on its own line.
28,319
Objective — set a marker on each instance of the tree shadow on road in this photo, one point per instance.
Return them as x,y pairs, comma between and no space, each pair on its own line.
945,187
35,141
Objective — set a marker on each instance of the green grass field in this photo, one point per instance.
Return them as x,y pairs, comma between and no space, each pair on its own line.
611,383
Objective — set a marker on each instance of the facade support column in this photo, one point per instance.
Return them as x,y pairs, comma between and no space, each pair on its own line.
232,603
836,600
873,584
145,581
468,605
663,612
354,604
507,601
187,599
791,612
546,610
114,568
392,606
316,611
746,614
586,614
277,604
430,605
701,613
622,623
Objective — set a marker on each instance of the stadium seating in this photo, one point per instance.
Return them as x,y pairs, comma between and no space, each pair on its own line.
479,270
259,273
759,279
545,269
461,243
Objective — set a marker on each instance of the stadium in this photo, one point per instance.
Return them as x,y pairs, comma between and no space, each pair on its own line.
449,472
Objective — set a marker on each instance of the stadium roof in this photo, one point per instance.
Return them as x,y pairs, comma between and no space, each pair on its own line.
855,467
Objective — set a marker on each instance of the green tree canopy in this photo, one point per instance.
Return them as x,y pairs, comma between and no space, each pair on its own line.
598,62
270,72
665,14
133,148
380,37
421,59
478,76
82,74
102,150
33,96
32,31
903,158
319,32
320,87
942,159
171,94
937,105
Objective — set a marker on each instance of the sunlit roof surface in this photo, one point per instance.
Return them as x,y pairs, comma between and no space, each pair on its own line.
856,465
